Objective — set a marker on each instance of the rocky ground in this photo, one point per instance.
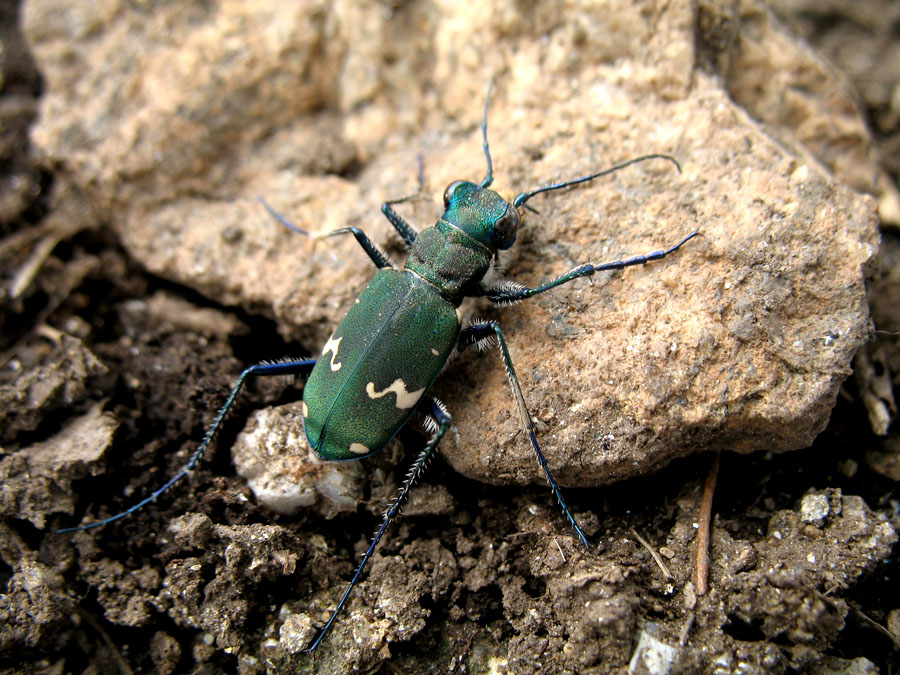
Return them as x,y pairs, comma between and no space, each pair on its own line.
757,366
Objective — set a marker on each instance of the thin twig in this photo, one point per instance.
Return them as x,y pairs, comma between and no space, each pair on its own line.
659,561
28,271
686,630
562,555
864,619
701,559
117,655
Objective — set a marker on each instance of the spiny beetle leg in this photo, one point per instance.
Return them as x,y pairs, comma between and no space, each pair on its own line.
437,422
260,369
379,257
488,334
406,230
508,292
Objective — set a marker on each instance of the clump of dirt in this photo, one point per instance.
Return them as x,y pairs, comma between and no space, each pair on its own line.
474,577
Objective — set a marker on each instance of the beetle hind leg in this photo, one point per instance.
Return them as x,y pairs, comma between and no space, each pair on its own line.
437,422
287,367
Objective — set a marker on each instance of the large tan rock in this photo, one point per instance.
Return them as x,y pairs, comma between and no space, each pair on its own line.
173,118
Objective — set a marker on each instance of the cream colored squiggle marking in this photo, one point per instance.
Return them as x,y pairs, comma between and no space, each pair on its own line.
405,399
332,346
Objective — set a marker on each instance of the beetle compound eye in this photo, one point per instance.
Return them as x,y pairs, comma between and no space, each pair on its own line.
506,225
448,193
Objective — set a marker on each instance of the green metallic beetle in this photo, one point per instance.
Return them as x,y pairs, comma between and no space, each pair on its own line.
379,364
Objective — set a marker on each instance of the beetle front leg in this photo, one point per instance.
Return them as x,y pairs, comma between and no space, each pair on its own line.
406,230
437,422
378,256
485,335
507,292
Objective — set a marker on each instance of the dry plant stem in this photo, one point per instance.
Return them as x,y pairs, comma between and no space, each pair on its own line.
701,559
656,557
866,620
686,630
562,555
124,668
29,270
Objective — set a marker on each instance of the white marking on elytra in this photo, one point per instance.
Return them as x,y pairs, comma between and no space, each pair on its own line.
435,352
405,399
332,346
358,449
304,409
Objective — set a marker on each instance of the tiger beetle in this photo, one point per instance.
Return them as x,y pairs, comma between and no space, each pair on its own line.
379,364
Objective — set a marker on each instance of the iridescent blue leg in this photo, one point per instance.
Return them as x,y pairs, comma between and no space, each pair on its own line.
488,334
437,422
379,257
260,369
508,292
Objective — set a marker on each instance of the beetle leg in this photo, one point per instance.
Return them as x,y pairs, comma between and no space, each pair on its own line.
260,369
508,292
440,419
378,256
487,334
406,230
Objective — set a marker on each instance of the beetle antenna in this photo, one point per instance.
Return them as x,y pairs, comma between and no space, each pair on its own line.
489,178
525,196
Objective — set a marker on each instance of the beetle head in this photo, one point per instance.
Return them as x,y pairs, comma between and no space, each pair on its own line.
482,214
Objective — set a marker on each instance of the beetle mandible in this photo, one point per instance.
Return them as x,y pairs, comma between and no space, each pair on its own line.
378,366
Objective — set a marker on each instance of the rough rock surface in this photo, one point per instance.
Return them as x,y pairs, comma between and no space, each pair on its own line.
47,469
739,342
285,474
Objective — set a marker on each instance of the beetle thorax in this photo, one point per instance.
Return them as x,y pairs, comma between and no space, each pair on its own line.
450,259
